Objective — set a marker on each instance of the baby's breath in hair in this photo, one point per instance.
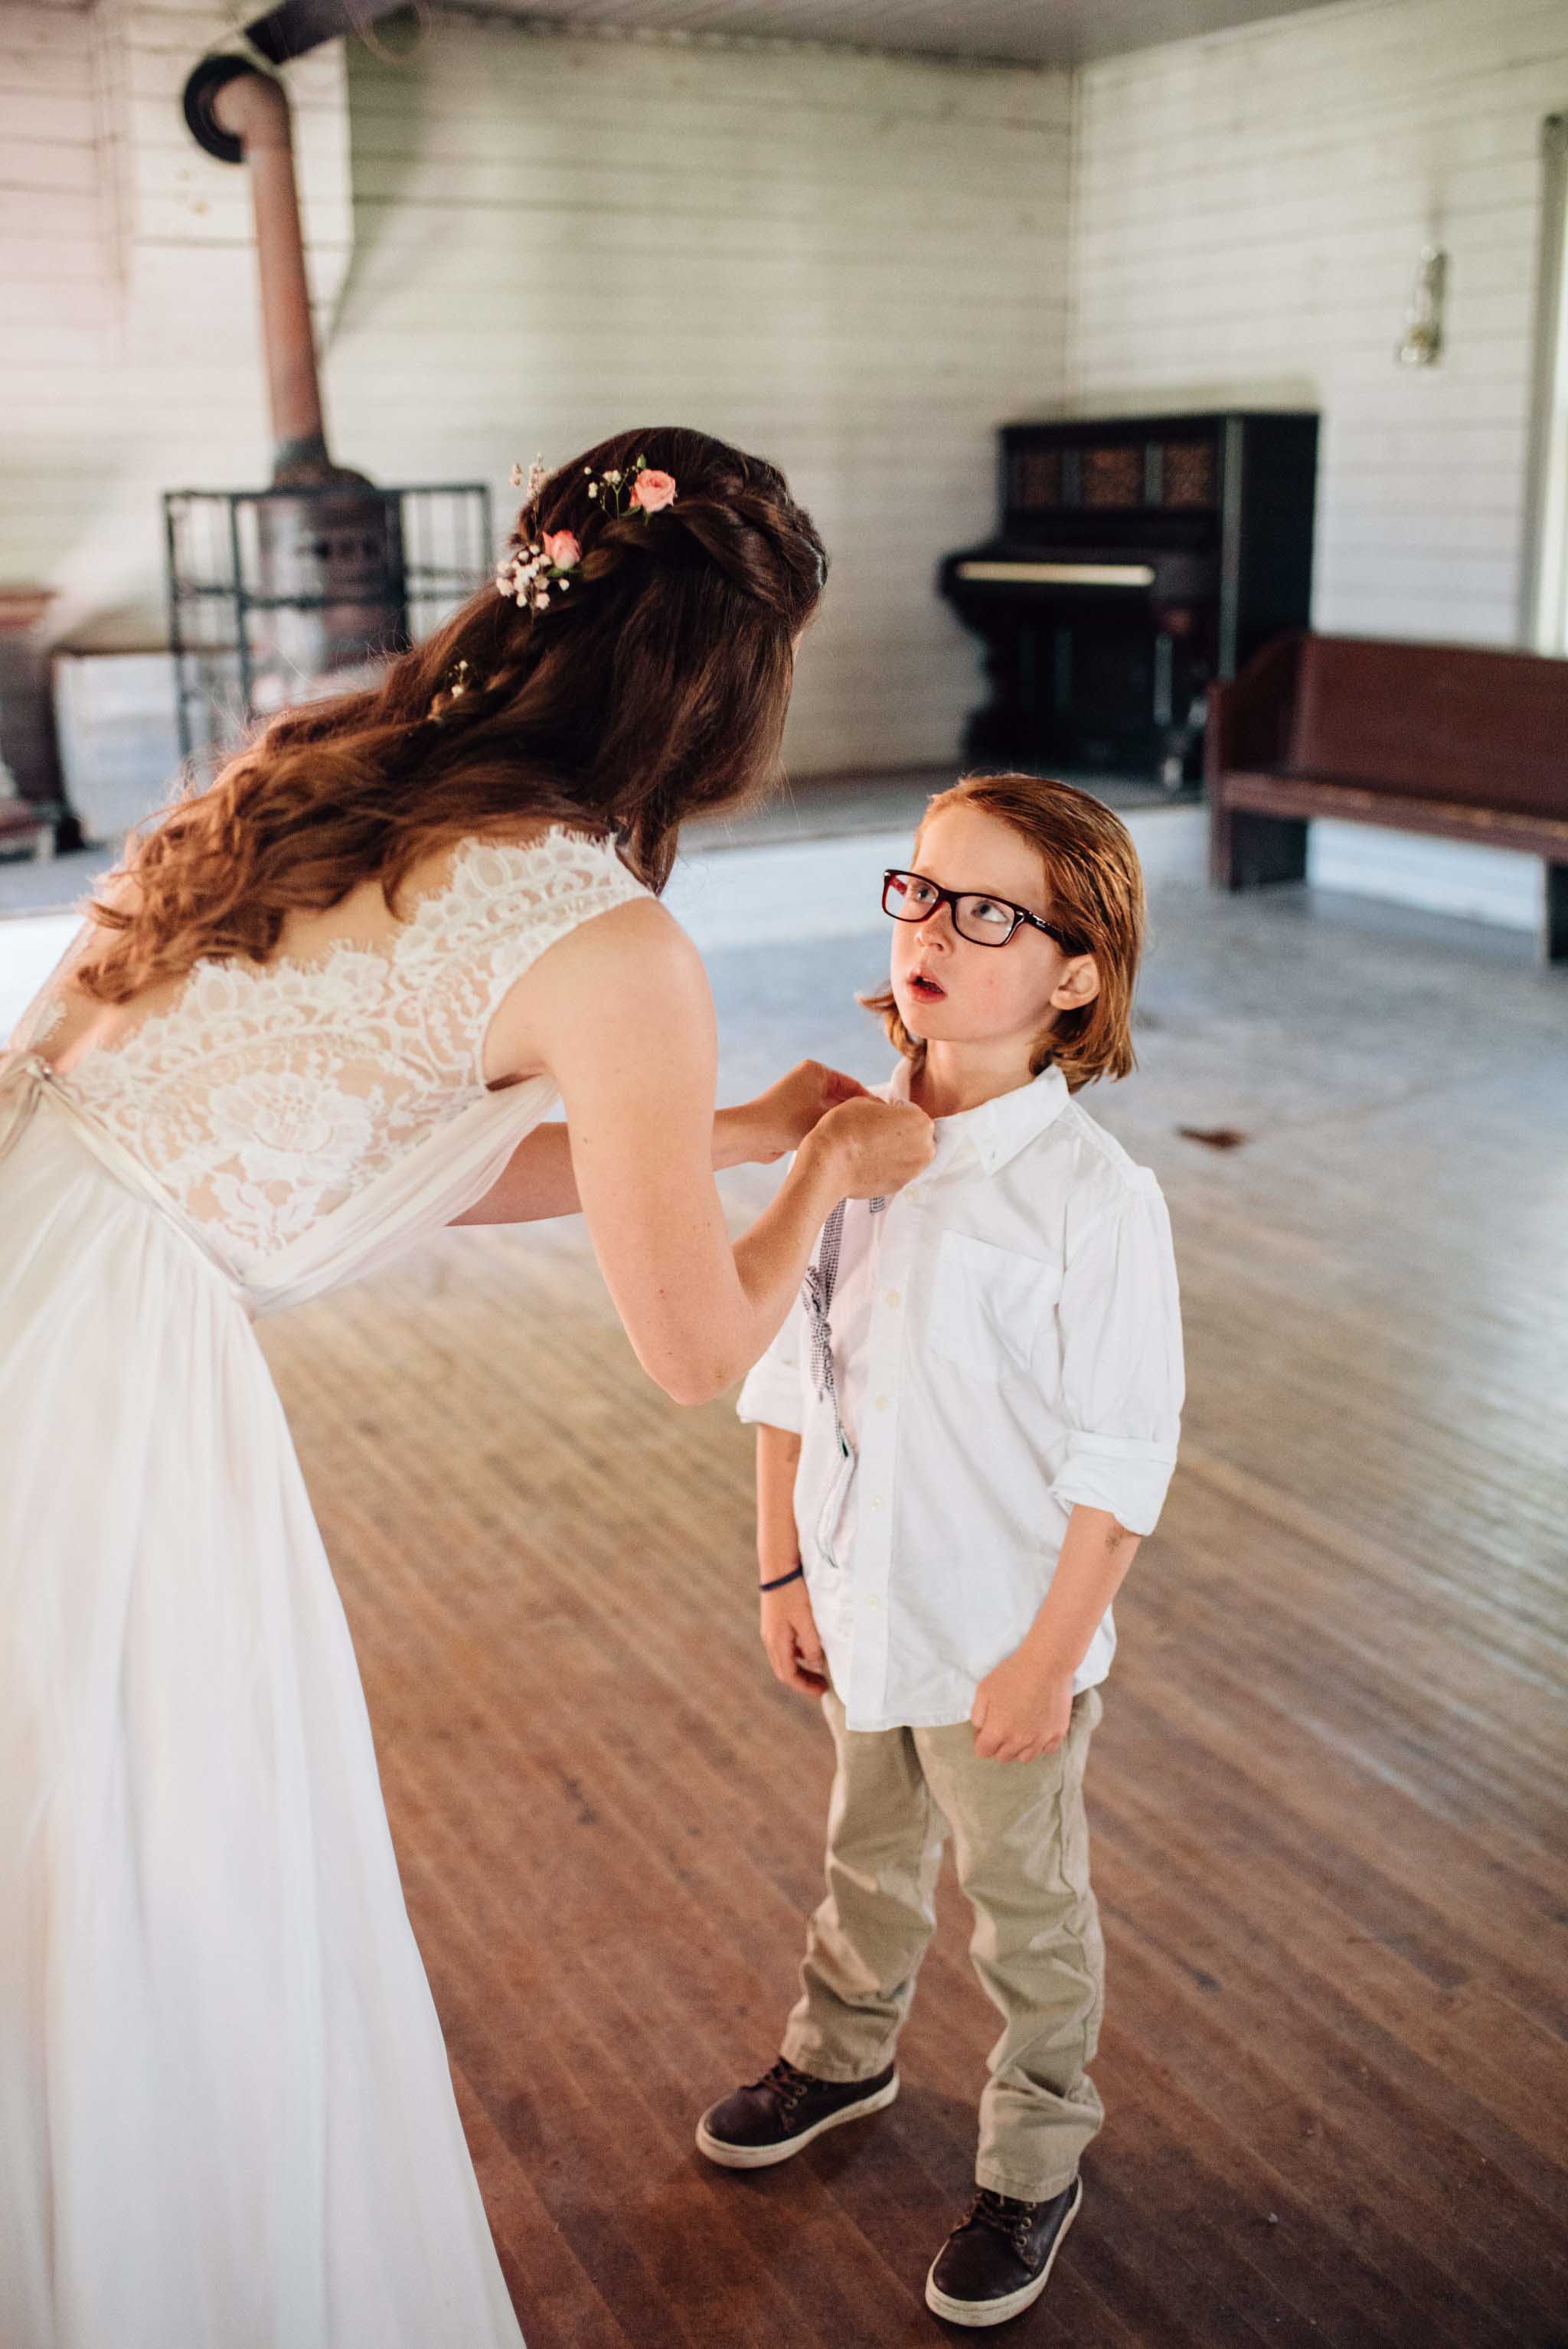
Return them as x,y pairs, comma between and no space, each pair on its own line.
533,566
528,573
635,489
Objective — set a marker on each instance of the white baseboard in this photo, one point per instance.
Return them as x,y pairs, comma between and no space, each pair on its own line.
1443,876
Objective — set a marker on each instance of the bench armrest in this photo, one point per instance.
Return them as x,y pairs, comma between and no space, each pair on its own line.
1250,716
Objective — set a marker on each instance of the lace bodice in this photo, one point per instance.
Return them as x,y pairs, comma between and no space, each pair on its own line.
266,1094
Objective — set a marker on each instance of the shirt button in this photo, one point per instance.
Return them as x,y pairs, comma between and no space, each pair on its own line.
876,1500
872,1605
893,1298
881,1403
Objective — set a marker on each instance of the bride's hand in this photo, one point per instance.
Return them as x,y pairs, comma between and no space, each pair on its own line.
780,1119
878,1146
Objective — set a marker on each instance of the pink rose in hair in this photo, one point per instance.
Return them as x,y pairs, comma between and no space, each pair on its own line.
653,491
563,549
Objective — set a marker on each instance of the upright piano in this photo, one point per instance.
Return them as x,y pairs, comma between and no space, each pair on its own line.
1138,559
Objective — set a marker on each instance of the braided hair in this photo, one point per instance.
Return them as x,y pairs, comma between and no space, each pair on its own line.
655,691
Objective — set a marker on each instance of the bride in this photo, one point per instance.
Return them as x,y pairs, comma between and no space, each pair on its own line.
324,1010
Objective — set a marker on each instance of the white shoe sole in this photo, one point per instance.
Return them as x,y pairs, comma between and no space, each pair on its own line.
975,2313
763,2157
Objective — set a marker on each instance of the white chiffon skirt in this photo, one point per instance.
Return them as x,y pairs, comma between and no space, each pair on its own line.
226,2120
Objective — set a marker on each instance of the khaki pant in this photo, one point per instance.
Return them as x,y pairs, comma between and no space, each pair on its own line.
1021,1845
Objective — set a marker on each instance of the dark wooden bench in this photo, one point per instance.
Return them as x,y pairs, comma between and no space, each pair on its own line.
1449,740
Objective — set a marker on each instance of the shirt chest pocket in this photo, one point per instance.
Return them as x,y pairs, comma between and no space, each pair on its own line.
987,1304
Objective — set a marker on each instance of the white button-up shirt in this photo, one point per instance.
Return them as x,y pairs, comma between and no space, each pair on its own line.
1006,1343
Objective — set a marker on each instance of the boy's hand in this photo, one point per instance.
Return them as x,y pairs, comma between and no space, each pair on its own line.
790,1636
780,1119
1021,1710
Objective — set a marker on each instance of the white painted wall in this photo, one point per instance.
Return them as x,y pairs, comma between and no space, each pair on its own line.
1247,213
855,264
1248,210
860,265
128,306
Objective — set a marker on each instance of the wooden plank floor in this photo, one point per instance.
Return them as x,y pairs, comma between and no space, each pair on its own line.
1327,1797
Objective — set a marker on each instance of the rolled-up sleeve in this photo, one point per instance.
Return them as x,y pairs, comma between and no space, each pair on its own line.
1120,1320
771,1395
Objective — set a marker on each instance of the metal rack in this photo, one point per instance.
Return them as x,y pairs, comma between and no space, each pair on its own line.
278,596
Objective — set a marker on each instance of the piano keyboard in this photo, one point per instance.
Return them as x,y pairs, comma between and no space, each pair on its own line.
1058,574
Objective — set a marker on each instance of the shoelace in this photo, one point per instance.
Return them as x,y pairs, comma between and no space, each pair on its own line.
1004,2216
790,2084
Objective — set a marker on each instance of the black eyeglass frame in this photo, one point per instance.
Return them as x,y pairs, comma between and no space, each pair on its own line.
1020,914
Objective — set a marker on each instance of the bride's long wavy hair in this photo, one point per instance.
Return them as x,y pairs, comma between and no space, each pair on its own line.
654,691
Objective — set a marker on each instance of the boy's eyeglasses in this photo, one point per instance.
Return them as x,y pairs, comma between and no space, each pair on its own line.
983,921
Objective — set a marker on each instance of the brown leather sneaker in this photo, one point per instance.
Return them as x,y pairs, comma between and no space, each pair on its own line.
998,2261
775,2117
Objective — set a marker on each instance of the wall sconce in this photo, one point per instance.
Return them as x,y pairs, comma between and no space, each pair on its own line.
1421,344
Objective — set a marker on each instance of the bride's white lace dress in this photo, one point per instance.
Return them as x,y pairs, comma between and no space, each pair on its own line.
226,2120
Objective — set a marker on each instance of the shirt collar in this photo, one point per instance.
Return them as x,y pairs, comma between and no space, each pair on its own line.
998,1129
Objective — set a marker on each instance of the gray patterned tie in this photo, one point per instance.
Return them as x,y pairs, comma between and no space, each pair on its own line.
821,1280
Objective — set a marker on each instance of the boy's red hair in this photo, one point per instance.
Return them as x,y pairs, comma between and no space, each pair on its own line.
1095,885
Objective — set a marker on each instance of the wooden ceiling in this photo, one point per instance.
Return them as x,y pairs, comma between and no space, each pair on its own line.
1020,32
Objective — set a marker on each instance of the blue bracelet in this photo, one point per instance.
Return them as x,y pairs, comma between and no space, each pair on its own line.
798,1576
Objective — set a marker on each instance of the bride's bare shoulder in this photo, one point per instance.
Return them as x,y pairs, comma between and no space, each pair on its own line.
637,946
630,970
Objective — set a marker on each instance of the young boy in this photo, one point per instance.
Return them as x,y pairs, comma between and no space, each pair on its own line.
963,1433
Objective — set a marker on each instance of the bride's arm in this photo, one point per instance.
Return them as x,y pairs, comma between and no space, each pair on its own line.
620,1014
538,1181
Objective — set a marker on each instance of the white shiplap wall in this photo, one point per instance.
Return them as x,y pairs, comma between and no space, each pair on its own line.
1248,211
855,264
860,265
127,302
